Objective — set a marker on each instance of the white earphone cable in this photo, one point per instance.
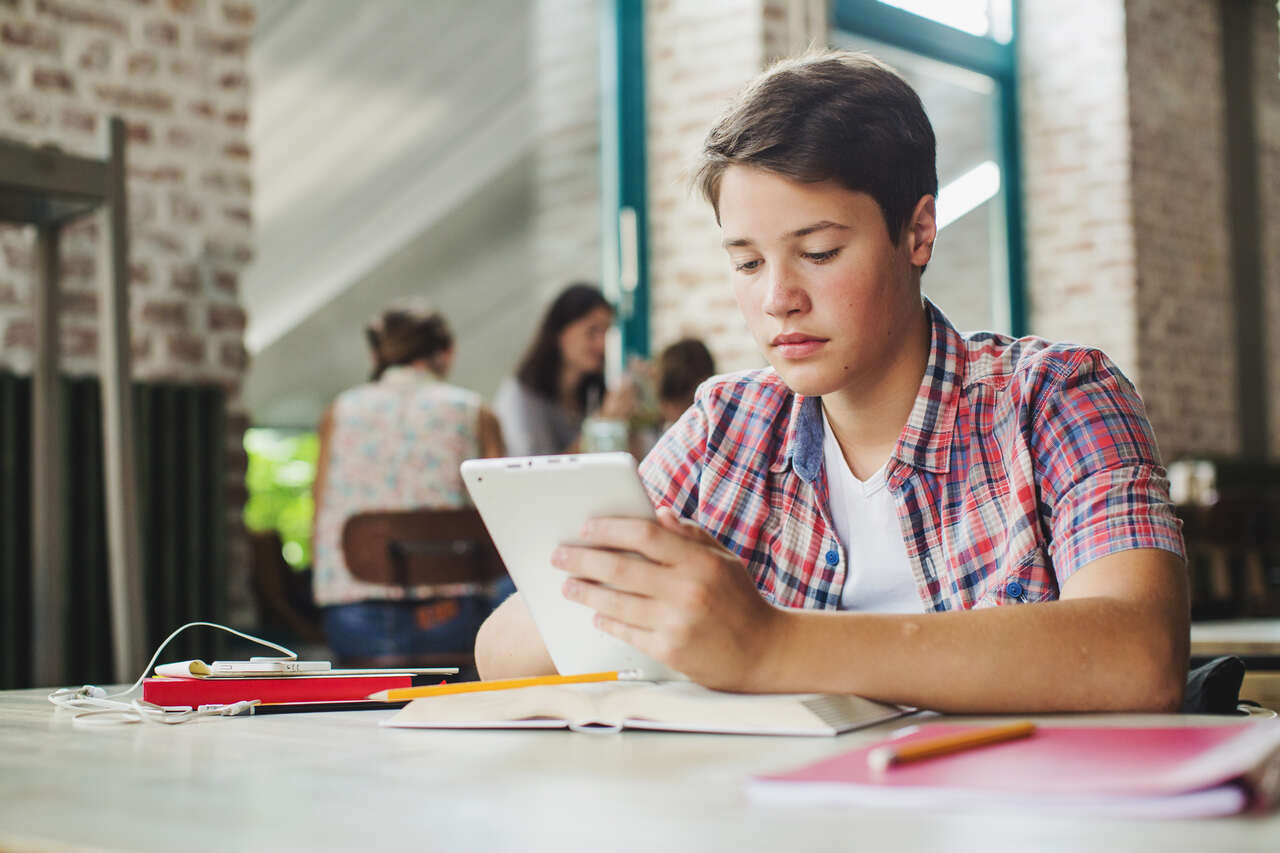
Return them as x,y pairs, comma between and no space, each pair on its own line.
95,707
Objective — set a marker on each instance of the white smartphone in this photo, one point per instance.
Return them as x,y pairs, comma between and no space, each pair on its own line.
532,504
267,666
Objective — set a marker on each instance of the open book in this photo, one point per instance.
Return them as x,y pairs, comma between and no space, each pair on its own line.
668,706
1117,771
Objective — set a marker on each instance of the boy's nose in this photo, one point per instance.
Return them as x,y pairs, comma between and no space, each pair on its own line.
785,293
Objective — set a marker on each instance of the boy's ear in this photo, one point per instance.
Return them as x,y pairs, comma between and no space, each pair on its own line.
922,230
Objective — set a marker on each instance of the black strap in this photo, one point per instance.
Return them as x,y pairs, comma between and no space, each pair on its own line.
1214,687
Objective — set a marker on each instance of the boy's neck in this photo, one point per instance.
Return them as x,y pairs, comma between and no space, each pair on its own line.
867,419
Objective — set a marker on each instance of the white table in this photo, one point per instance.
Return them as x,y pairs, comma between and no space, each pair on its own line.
337,781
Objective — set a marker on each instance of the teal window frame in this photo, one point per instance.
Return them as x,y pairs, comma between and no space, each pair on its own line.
902,29
624,171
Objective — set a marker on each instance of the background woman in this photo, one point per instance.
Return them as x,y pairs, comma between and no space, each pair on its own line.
396,443
561,378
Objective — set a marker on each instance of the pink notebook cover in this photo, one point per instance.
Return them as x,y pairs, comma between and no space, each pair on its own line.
1072,762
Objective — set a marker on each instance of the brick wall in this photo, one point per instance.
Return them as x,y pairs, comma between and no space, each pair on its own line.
698,56
1185,318
1126,218
1080,254
175,70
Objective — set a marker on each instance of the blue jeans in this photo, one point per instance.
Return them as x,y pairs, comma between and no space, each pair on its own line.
371,629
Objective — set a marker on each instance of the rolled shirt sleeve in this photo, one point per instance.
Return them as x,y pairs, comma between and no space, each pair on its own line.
1102,487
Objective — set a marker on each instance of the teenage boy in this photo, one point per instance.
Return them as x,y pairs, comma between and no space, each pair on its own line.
896,510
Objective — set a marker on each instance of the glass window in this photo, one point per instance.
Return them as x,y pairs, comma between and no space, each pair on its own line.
991,18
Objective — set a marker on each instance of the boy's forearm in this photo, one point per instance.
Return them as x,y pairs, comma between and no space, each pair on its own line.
1082,654
509,645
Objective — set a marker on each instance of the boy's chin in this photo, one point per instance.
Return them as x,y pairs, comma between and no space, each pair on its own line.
808,381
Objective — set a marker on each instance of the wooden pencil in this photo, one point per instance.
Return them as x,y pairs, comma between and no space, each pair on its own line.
399,694
881,758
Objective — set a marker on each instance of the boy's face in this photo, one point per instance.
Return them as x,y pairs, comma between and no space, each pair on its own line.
830,300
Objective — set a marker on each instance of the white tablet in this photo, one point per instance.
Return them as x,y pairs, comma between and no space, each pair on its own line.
532,504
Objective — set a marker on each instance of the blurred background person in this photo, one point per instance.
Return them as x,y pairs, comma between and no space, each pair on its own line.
682,367
395,443
560,381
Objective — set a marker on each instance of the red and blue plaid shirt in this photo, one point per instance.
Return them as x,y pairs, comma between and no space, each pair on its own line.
1021,462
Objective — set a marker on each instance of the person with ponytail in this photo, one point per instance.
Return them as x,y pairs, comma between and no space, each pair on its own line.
395,443
561,378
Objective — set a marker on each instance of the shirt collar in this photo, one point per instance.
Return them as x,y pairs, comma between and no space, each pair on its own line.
925,442
399,374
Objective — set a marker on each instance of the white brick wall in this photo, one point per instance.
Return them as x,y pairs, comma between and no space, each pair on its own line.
1080,256
698,56
175,72
1185,318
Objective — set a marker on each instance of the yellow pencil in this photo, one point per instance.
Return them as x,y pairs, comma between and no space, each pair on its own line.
400,693
881,757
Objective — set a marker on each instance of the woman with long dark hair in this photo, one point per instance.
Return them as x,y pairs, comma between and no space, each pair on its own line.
560,380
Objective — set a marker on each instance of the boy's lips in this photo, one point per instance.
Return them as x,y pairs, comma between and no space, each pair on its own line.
797,344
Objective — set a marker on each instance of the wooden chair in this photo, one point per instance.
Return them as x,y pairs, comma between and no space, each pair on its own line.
408,548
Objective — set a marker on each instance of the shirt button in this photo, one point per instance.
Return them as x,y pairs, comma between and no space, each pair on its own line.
833,557
1013,589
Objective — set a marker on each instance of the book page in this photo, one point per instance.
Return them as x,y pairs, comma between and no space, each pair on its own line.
684,706
549,706
667,706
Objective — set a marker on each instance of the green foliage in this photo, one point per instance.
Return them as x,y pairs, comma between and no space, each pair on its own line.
282,466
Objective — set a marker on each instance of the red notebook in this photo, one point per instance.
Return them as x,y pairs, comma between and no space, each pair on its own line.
1172,771
194,692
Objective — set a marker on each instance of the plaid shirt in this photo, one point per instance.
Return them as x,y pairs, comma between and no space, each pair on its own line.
1021,462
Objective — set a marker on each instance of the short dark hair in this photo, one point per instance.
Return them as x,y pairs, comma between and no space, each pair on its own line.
539,370
839,116
682,367
406,332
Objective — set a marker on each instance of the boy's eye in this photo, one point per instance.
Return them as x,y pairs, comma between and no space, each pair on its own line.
821,257
747,266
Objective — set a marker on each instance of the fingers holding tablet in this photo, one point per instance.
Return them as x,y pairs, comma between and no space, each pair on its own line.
620,570
688,601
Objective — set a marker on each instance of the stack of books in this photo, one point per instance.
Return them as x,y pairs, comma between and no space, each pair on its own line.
191,684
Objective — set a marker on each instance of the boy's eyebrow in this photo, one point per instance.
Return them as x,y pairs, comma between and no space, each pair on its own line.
731,242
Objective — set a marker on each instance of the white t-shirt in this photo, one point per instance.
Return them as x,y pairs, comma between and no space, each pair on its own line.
879,577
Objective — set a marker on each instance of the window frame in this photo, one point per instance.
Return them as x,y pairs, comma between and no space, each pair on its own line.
624,173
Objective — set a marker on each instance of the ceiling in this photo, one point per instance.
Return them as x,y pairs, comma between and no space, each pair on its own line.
392,144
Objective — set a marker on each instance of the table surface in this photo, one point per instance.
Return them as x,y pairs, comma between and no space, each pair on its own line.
338,781
1236,637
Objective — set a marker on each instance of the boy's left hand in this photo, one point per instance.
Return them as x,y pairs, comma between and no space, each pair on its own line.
675,593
